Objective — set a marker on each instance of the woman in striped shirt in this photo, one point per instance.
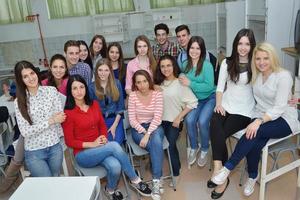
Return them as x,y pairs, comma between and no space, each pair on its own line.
145,108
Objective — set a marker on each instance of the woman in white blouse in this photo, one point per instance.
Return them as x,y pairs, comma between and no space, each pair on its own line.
234,102
272,116
39,116
178,101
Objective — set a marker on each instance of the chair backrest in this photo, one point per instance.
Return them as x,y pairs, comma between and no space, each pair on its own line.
4,143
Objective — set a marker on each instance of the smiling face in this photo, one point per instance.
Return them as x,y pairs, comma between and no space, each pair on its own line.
161,36
29,78
142,48
195,51
83,52
103,72
183,38
142,83
114,54
58,69
97,45
263,62
167,69
243,47
78,91
72,55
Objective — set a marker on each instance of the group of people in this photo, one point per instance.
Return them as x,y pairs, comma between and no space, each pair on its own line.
163,87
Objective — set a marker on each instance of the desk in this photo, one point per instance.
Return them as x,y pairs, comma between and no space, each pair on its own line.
58,188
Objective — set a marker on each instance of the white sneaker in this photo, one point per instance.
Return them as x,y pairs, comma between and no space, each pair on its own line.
221,176
249,186
202,160
155,194
193,156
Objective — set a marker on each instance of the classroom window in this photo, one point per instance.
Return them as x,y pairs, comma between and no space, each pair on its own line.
174,3
14,11
74,8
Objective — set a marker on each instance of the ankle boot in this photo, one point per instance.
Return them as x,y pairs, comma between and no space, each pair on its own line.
12,174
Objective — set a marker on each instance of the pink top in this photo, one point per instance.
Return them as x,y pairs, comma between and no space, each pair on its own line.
62,88
139,113
132,67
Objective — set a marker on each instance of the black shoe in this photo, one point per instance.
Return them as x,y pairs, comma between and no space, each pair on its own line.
216,195
142,188
117,195
211,184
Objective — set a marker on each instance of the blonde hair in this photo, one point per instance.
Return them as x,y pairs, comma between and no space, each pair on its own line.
273,56
111,86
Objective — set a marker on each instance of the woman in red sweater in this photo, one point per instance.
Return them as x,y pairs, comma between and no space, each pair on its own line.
85,131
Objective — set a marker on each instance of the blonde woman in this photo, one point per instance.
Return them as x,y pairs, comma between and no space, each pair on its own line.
108,92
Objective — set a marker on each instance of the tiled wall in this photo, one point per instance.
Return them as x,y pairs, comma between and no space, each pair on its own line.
31,50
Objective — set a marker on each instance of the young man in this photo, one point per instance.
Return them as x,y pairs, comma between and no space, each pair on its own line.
71,50
163,45
183,37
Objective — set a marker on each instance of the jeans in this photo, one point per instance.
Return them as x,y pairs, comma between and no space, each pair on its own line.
119,134
200,117
251,148
112,157
172,134
45,162
154,147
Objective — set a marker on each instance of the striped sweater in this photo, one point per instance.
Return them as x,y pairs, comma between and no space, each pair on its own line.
139,113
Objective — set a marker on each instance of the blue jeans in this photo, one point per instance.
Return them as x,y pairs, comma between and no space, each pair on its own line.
45,162
112,157
154,147
251,148
119,134
172,134
200,117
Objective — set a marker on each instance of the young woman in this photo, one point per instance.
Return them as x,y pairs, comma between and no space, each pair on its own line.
85,131
145,107
84,53
199,76
115,56
144,60
176,105
232,113
98,49
58,73
108,92
39,114
272,116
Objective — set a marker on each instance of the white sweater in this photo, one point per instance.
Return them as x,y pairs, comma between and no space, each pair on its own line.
237,97
176,97
272,98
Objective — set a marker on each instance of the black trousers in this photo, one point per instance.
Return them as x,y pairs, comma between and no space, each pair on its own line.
222,127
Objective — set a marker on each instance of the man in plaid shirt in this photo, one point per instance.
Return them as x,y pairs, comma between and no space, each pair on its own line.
71,49
164,46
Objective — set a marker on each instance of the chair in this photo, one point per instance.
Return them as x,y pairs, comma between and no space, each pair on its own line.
6,139
98,171
136,150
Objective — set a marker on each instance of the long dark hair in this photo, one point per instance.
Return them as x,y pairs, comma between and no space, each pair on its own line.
70,102
146,75
88,59
233,61
51,78
104,47
159,77
201,43
21,87
121,65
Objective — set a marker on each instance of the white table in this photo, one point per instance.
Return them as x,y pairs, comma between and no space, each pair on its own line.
58,188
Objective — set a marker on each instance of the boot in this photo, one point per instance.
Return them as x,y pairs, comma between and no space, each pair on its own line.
12,174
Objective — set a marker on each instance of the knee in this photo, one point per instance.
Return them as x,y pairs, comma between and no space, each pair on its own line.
116,147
